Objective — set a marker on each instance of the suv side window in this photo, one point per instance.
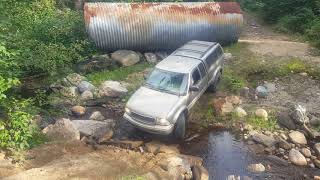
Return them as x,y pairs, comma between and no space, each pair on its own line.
202,70
219,52
196,77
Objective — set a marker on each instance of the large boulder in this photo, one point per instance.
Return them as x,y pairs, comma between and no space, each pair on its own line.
69,92
264,139
298,114
97,116
112,89
297,137
78,110
270,87
86,95
222,106
97,129
262,92
126,57
285,120
297,158
239,112
62,130
85,86
75,79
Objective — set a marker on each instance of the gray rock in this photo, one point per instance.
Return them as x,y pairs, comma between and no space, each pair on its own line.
161,54
150,57
75,79
306,152
276,160
316,148
256,168
263,139
270,87
314,121
298,114
284,144
261,113
297,158
178,167
297,137
86,95
97,129
240,112
285,120
112,89
126,57
78,110
317,163
97,116
227,56
62,130
85,86
261,92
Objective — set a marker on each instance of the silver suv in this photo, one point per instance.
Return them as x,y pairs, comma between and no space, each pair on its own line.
162,104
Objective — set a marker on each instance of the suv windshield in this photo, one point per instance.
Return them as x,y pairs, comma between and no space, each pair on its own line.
167,81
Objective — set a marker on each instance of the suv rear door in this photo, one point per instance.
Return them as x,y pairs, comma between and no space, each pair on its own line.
213,61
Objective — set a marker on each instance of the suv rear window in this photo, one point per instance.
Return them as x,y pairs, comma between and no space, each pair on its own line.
216,54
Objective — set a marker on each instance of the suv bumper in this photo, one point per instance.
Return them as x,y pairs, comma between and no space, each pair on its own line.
155,129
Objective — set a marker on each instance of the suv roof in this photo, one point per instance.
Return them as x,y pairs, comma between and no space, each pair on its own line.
187,57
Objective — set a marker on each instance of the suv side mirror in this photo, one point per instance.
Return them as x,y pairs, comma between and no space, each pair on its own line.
194,88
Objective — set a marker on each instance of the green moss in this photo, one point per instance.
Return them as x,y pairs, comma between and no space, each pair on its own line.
119,74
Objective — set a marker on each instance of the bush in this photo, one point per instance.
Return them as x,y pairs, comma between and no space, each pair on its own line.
313,34
231,82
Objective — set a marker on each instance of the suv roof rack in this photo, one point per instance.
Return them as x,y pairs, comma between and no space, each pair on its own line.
194,49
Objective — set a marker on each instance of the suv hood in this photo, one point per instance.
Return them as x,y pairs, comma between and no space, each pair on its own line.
152,103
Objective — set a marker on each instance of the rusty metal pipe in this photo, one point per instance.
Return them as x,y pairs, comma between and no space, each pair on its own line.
161,26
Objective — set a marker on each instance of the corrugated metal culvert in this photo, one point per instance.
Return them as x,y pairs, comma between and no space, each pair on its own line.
160,26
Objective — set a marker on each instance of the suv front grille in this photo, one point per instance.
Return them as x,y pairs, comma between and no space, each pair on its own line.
142,118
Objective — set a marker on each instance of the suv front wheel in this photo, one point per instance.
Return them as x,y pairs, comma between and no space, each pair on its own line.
214,84
180,129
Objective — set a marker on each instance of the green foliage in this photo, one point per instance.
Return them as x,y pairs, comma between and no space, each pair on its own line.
313,34
263,124
231,82
133,177
117,75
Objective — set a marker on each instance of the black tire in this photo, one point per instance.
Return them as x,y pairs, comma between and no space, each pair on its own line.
213,86
180,129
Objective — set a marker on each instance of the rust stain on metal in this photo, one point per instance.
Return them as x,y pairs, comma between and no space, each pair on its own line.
151,25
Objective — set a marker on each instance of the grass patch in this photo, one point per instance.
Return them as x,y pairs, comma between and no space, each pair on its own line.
262,124
231,82
119,74
133,177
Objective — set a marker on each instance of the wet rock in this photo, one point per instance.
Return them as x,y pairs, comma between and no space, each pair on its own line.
263,139
222,107
276,160
284,144
125,57
78,110
86,95
244,92
285,120
158,147
168,149
70,92
261,92
193,160
112,89
106,137
317,163
261,113
97,116
306,152
62,130
240,112
233,177
270,87
150,57
297,158
297,137
316,148
96,63
199,173
256,168
298,114
75,79
97,129
85,86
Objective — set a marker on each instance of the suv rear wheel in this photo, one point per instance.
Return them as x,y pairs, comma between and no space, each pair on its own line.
180,129
214,84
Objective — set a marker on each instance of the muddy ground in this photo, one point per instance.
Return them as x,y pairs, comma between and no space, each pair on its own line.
224,152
